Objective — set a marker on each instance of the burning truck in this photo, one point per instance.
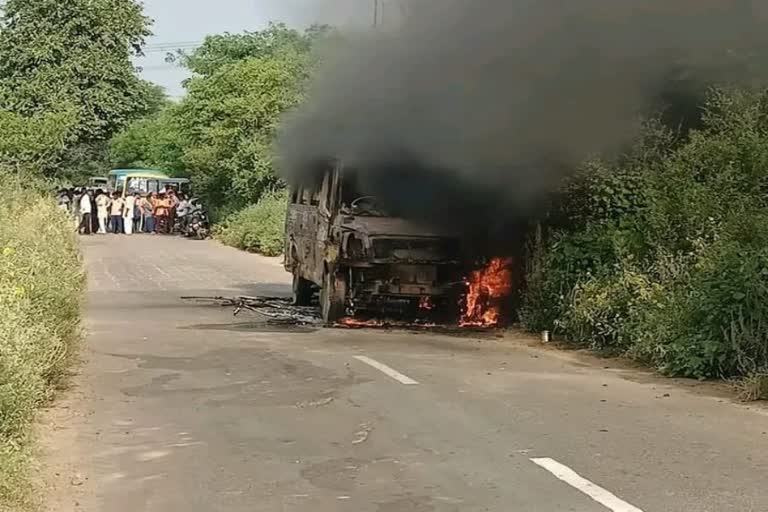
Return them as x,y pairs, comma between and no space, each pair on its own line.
362,260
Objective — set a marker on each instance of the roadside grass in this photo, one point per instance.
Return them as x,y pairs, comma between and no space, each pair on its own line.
752,388
16,490
258,228
41,283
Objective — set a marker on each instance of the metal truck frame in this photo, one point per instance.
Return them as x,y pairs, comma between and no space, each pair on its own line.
361,259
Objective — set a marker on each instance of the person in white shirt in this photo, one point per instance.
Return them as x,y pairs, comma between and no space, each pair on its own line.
128,207
86,209
182,209
116,213
102,211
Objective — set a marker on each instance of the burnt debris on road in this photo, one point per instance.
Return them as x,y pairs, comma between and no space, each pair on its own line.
276,309
282,311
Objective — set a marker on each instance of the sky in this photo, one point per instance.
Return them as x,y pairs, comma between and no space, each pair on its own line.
189,21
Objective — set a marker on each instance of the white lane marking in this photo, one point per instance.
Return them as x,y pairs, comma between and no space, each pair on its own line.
399,377
597,493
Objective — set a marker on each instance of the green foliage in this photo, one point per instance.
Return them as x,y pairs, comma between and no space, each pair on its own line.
259,228
154,142
75,53
662,255
41,281
82,160
717,320
604,312
221,133
556,271
155,99
33,143
68,81
222,50
228,122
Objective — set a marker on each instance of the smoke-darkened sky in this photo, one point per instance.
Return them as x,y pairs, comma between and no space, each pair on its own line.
476,108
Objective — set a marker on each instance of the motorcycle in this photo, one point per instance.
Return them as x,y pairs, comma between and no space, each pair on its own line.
198,224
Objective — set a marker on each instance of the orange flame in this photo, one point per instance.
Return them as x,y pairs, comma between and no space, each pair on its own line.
356,323
485,289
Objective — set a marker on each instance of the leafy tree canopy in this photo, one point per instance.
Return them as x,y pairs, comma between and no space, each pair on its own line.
220,50
229,120
32,144
75,55
221,133
151,142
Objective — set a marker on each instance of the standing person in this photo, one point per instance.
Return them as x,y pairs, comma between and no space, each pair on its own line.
94,213
148,210
102,210
64,200
137,216
182,211
86,210
116,213
173,203
74,207
77,196
128,206
161,213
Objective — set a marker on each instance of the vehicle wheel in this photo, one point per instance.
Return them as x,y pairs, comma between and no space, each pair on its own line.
302,290
333,297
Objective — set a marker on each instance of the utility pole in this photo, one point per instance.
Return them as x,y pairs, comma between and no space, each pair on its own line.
375,13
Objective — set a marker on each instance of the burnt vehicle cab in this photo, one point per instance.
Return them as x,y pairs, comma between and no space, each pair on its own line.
361,258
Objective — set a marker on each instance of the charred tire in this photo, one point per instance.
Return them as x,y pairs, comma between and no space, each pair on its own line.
302,290
333,297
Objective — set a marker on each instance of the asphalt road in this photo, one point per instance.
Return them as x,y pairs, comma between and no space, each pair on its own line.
182,407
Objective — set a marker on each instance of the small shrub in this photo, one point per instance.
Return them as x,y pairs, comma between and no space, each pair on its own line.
723,331
259,228
752,388
605,311
556,269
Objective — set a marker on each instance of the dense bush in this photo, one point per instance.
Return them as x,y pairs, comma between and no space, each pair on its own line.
664,255
259,228
605,312
40,287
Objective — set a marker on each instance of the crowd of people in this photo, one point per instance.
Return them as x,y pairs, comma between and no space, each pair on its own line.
99,212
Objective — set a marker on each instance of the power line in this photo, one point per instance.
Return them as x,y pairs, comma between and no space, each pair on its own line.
170,47
169,67
174,43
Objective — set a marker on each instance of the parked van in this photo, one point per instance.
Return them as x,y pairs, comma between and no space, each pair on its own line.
360,258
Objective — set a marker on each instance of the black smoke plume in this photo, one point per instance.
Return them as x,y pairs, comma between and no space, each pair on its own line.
469,113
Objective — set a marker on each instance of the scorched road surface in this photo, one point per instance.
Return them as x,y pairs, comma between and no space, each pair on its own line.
181,407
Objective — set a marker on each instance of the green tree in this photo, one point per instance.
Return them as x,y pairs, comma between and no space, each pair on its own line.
220,50
75,55
31,144
221,133
228,122
153,142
